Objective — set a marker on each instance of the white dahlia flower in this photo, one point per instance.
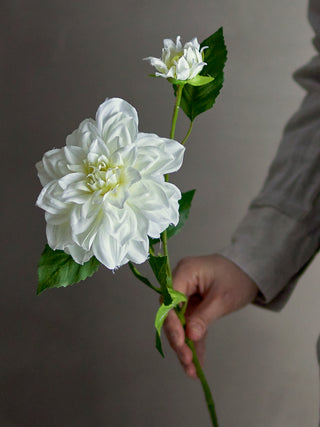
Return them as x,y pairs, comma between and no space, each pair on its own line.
177,61
104,192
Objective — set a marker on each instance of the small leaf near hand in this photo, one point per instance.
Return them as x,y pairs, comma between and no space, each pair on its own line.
158,344
57,269
159,267
163,311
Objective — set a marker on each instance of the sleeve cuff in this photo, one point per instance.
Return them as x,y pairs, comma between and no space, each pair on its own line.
273,249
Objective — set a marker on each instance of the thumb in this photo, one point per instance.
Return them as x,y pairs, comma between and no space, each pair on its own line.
208,310
196,327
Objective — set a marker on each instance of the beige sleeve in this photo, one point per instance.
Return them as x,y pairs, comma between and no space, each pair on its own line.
281,232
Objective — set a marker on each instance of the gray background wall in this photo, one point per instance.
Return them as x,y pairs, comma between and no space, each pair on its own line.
84,356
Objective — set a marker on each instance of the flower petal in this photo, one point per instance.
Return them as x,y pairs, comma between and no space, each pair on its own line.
169,44
59,236
84,135
196,68
77,193
124,156
158,64
50,199
182,69
79,254
158,202
138,250
107,249
71,179
75,155
52,166
116,197
117,122
157,155
194,44
85,228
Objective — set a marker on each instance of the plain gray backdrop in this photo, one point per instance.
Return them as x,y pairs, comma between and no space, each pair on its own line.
84,356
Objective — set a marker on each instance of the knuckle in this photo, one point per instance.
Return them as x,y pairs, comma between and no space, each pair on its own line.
184,263
227,301
184,268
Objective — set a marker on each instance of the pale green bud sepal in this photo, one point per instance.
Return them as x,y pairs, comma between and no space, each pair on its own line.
196,81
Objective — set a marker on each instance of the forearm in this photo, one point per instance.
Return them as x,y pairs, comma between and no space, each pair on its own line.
281,231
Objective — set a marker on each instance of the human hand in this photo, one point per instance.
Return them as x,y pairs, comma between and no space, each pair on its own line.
214,286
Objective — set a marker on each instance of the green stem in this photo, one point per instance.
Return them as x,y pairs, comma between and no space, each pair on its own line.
143,279
180,311
151,250
205,386
188,133
174,117
164,236
164,239
176,111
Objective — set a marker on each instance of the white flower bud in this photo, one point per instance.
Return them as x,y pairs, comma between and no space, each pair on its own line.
177,61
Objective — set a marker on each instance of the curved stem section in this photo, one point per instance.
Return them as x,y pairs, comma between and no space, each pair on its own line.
188,133
143,279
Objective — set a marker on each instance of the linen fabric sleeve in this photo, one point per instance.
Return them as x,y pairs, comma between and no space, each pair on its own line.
280,233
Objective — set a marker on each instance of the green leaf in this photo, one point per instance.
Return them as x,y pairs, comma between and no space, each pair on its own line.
142,279
198,99
184,209
56,269
163,311
159,267
158,344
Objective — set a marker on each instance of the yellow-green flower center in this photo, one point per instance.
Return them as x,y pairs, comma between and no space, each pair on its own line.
176,58
102,177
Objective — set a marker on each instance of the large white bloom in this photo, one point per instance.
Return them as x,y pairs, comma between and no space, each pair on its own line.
177,61
104,192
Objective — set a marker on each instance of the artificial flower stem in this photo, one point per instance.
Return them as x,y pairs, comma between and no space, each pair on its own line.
176,111
180,311
142,279
205,386
174,117
164,237
151,250
188,133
